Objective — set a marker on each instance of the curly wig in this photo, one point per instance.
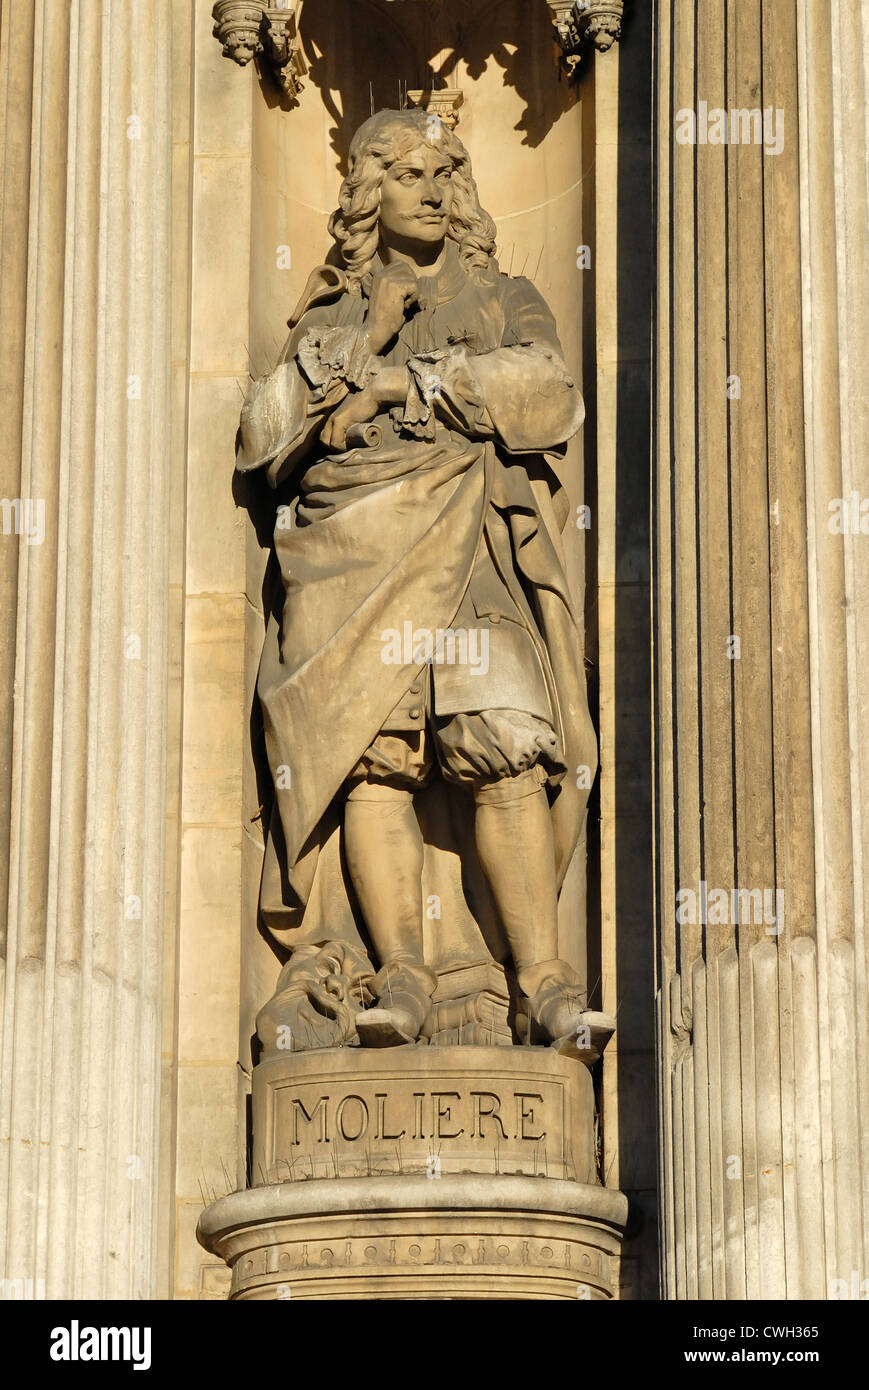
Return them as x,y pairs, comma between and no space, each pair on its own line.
387,137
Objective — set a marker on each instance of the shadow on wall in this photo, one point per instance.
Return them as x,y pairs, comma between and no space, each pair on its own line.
629,761
632,675
363,55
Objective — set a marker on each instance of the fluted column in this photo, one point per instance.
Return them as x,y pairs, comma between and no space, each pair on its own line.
84,363
833,54
762,1050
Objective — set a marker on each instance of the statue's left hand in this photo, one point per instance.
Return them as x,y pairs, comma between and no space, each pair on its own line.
356,409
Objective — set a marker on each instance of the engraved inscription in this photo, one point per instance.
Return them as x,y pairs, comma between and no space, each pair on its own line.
482,1115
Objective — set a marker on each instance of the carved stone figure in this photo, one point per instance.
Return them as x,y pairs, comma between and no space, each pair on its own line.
421,682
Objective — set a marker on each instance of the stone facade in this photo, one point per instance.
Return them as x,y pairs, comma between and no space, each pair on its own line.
161,209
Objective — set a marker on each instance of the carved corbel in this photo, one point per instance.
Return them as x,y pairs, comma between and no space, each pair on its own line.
601,24
444,103
253,29
237,26
282,47
581,23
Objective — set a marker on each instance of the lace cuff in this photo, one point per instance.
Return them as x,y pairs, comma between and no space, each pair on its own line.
446,377
327,355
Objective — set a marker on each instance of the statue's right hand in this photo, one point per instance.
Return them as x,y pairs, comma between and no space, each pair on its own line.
393,291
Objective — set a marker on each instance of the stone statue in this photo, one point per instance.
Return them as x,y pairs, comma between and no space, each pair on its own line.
421,683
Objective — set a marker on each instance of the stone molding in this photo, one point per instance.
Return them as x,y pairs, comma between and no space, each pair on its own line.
462,1236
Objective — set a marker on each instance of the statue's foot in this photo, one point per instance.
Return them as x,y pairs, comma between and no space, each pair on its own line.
573,1030
386,1027
403,995
586,1038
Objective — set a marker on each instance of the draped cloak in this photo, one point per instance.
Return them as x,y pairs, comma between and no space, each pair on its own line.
378,532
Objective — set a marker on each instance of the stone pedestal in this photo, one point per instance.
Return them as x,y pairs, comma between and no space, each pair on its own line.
459,1236
345,1113
421,1172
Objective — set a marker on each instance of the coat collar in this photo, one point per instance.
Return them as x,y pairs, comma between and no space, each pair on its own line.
433,289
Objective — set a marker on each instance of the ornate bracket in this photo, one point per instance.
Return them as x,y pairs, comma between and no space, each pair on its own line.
443,103
579,23
253,29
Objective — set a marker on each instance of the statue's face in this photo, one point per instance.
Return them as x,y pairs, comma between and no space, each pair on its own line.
416,196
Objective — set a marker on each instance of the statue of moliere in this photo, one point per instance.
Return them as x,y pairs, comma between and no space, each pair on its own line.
421,683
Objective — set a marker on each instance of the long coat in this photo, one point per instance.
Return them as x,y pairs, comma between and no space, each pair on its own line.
389,531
